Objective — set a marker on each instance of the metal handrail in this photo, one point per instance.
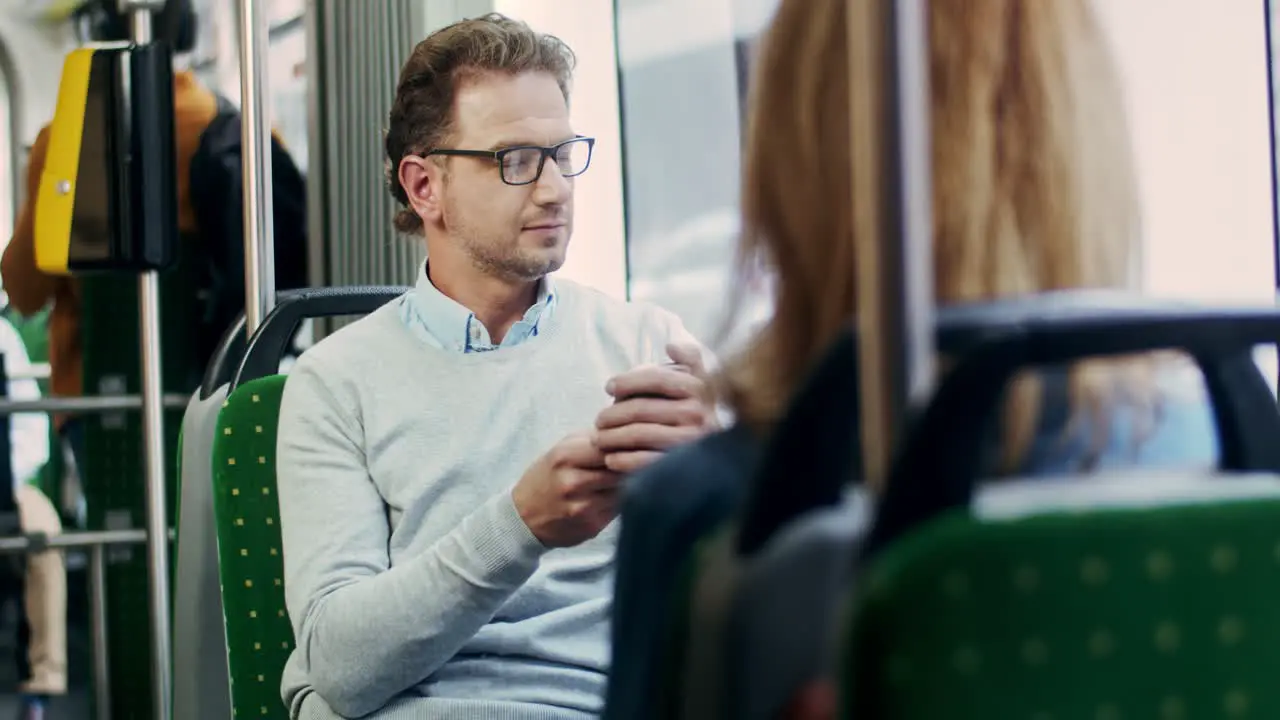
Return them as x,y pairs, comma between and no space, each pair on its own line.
152,405
255,128
89,404
889,115
96,541
35,542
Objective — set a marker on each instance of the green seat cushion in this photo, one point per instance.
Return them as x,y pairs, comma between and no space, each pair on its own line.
251,567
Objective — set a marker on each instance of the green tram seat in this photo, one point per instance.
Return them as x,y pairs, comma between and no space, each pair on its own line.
1130,593
258,633
1142,594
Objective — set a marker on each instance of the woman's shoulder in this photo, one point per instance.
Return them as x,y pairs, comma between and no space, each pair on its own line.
713,470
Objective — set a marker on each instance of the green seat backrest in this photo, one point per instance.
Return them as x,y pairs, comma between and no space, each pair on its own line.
1166,612
250,565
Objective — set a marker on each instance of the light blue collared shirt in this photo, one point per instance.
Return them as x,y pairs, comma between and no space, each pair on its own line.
441,321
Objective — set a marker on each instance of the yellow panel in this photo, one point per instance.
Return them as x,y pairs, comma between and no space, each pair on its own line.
55,201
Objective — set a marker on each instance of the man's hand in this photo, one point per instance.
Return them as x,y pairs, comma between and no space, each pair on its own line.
568,495
655,408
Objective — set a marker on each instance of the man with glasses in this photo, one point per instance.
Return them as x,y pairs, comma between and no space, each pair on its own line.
449,466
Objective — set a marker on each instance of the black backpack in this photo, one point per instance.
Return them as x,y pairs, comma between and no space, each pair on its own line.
216,193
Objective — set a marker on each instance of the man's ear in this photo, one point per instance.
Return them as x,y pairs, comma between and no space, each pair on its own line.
421,180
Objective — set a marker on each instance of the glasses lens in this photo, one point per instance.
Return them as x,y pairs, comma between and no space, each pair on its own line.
521,165
573,157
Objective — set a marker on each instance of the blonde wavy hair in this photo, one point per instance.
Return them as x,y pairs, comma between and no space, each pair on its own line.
1033,189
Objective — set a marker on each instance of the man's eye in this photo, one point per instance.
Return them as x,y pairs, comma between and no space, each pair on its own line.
516,160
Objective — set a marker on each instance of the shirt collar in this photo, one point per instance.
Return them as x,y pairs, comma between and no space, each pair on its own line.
457,328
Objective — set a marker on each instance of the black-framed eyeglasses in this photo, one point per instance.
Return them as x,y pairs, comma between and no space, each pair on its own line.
522,164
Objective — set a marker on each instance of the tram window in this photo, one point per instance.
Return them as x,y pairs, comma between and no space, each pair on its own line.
597,256
684,68
280,12
1195,74
216,59
217,65
205,53
287,54
8,158
1273,75
1196,86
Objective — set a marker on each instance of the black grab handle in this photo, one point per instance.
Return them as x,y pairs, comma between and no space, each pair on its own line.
229,352
938,466
268,344
226,358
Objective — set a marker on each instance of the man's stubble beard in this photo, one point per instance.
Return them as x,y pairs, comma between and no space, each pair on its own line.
502,259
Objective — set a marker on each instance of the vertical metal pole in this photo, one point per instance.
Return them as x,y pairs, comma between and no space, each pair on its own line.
259,233
317,24
98,630
1269,22
153,437
889,119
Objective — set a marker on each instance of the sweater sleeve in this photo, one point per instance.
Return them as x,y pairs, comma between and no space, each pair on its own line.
663,326
367,631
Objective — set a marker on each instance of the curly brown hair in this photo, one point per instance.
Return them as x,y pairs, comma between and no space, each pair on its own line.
421,117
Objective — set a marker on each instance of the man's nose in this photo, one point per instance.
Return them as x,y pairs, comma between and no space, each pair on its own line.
552,186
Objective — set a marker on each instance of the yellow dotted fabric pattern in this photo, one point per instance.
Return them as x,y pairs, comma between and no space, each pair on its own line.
1164,613
251,569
